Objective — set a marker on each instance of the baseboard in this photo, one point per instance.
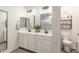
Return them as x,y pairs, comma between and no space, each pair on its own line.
14,50
27,50
3,42
23,49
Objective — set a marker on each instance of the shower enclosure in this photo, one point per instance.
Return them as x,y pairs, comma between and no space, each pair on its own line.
3,30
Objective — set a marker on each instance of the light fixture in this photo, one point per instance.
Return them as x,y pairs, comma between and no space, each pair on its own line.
45,7
29,11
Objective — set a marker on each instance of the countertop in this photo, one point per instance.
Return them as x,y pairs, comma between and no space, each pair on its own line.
39,33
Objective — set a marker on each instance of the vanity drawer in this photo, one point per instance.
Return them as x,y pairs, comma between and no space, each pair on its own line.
42,37
28,35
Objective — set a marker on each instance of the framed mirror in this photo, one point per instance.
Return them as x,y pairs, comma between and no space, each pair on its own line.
27,22
22,21
45,21
3,30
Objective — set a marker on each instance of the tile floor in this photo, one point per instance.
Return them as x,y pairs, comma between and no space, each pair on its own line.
19,50
2,46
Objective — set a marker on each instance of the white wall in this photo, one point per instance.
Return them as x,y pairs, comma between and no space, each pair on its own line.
14,14
74,11
66,9
75,25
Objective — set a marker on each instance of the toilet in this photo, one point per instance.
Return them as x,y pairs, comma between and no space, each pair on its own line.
67,45
66,42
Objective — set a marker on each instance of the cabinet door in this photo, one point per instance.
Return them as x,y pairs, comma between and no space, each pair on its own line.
36,45
21,40
43,45
25,42
31,43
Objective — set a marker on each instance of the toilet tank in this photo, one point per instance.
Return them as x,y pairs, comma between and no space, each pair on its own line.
66,36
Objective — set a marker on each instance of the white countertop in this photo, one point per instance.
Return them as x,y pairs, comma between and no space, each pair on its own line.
39,33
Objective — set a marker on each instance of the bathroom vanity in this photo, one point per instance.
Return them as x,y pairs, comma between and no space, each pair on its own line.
37,42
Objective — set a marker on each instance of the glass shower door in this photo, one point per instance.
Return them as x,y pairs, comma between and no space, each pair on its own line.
1,35
3,41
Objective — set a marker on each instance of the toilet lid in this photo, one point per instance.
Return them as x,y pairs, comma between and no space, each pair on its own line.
66,41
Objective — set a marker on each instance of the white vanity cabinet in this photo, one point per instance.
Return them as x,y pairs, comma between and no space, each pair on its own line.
26,41
36,43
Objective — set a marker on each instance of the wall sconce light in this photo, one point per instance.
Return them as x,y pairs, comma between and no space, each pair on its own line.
29,11
46,7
